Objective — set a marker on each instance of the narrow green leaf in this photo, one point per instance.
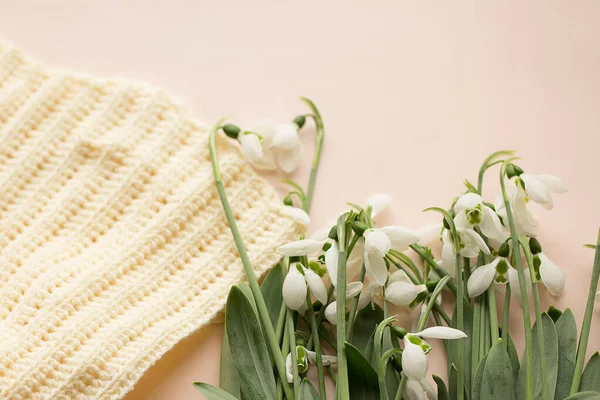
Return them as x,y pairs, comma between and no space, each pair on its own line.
243,286
585,396
590,379
366,321
271,291
228,379
452,380
441,387
498,380
566,330
248,348
361,375
307,391
451,345
477,379
212,392
514,357
391,376
551,353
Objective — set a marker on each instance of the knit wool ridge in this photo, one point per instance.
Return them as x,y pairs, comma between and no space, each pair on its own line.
113,242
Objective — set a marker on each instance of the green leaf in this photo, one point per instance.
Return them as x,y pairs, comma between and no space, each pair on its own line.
366,321
452,378
590,379
271,291
248,348
498,381
243,286
441,387
307,391
551,353
477,379
452,345
514,357
585,396
392,380
362,377
212,392
228,379
566,329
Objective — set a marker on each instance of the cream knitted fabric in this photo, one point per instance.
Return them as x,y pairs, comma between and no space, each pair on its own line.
113,242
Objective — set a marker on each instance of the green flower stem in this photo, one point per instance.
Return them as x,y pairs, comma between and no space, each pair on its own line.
321,315
316,116
587,321
378,338
467,273
342,386
292,338
408,262
280,322
354,309
459,316
475,356
401,386
263,313
505,315
522,286
482,330
381,370
492,308
432,301
317,343
420,251
538,314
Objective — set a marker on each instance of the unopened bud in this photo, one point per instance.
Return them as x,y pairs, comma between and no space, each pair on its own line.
333,233
288,201
535,246
231,130
504,250
300,120
359,228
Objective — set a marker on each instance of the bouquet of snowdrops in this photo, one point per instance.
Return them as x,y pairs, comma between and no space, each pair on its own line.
326,304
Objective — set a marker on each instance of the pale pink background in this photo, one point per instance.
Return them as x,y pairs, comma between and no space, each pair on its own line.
414,95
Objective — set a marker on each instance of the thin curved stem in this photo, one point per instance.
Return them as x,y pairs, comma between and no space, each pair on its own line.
342,385
316,116
261,306
317,343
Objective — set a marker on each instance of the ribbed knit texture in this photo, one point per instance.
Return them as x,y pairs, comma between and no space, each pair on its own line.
113,242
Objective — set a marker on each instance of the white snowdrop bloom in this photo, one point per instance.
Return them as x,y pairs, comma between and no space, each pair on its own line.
294,286
303,247
471,211
250,146
539,188
399,291
499,271
353,289
414,356
545,270
281,146
378,242
297,214
525,222
305,357
471,244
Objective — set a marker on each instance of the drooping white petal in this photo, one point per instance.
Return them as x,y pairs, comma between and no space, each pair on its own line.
376,268
399,276
289,159
297,214
414,360
552,276
355,261
378,203
481,279
441,332
266,129
377,242
536,189
353,289
286,136
316,285
294,289
268,162
466,201
449,259
413,391
474,238
325,359
400,237
331,313
490,224
331,262
365,298
461,221
513,281
250,146
429,233
300,248
288,368
429,389
553,184
403,293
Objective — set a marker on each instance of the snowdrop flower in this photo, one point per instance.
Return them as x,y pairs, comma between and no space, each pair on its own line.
305,358
545,270
499,271
471,244
471,212
297,214
378,242
525,222
399,291
353,289
250,146
414,357
294,286
281,146
539,188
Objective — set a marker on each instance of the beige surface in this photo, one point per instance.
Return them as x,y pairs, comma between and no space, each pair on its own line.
414,96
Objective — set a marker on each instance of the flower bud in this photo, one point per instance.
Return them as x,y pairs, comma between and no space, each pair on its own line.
399,331
231,130
513,170
359,228
397,363
288,201
333,233
446,224
535,246
504,250
300,120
